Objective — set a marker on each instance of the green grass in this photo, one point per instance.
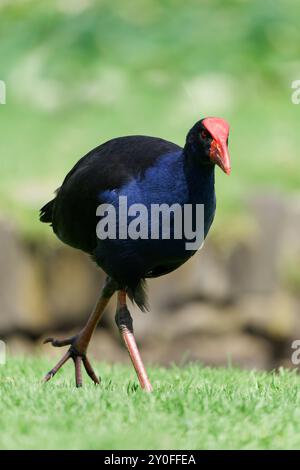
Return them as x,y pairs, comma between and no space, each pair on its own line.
191,407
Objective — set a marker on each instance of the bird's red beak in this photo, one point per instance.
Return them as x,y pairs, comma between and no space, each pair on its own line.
219,130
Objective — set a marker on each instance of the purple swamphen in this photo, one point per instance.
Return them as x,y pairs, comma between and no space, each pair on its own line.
145,170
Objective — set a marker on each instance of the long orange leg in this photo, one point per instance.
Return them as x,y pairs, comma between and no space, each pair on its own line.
79,343
124,322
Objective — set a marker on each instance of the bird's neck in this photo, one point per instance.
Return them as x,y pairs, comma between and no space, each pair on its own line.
197,173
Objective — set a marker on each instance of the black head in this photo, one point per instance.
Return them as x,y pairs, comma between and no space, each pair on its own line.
208,140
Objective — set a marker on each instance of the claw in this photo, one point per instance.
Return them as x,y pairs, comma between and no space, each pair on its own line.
47,340
47,377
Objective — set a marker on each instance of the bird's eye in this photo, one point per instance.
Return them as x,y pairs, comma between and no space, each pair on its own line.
204,134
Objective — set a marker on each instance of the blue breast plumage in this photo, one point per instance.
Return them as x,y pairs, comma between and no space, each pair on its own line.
171,181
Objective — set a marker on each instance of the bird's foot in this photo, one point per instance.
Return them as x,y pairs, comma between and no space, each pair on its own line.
77,352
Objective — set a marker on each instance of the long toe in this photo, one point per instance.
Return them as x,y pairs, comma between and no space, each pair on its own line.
58,343
78,375
60,363
90,371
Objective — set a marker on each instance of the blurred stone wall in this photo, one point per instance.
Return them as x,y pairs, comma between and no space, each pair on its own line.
237,301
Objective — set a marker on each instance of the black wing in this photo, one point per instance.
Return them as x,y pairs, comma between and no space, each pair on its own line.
111,165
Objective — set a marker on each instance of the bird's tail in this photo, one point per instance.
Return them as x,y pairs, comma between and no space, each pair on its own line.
46,212
138,295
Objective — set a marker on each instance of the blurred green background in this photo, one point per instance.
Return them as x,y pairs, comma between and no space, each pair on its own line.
79,72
